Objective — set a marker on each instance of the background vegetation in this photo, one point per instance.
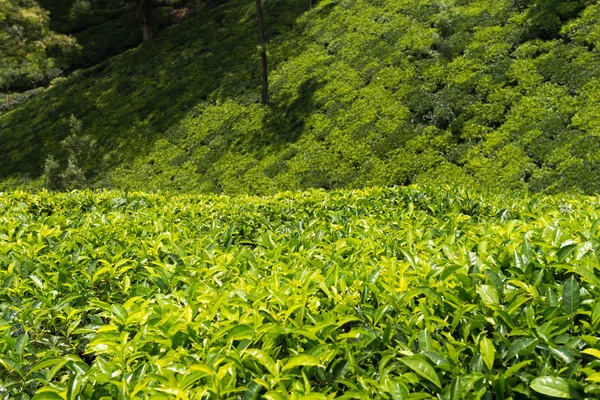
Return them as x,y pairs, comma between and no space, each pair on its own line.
497,92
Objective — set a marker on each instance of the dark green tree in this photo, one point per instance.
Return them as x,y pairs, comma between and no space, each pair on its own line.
144,15
31,54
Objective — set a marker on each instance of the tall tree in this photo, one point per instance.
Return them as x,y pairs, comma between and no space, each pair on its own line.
144,15
263,53
31,54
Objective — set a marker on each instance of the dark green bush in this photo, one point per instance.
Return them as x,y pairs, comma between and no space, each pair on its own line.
80,150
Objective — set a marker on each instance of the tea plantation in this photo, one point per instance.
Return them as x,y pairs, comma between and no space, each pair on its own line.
364,93
401,293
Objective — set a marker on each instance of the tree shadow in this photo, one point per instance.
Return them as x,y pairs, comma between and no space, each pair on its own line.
284,121
130,101
546,17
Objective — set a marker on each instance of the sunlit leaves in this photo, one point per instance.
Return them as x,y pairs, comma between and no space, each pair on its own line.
422,368
552,386
364,294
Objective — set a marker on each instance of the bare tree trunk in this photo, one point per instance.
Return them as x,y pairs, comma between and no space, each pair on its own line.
144,15
263,54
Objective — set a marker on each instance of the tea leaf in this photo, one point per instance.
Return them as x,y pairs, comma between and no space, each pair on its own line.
571,297
422,369
551,386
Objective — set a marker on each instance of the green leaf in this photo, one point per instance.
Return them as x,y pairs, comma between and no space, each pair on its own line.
264,359
449,271
425,340
551,298
563,354
22,342
396,389
454,392
495,279
253,391
44,363
374,274
488,352
565,251
488,294
303,360
594,228
571,297
47,396
422,368
339,369
240,332
551,386
520,346
11,364
499,387
74,386
120,312
596,313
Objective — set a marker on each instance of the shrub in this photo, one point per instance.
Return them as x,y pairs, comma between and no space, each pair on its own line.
80,149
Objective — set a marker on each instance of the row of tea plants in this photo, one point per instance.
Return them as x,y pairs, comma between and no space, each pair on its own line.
403,293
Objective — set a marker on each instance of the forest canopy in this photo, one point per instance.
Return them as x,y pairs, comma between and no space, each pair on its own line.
31,53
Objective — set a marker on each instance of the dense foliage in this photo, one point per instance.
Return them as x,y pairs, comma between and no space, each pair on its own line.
30,52
44,40
407,293
364,92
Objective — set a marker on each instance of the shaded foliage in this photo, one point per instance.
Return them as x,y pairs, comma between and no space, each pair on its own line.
500,93
31,54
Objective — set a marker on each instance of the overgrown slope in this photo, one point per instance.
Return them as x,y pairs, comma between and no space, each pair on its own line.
502,93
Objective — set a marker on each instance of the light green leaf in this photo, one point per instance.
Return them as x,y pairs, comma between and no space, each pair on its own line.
488,294
120,312
274,395
422,368
551,386
303,360
47,396
264,359
241,331
313,396
592,352
488,352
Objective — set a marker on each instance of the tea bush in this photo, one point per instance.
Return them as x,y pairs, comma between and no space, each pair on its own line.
402,293
498,92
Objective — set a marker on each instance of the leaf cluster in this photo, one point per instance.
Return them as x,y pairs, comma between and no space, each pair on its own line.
403,293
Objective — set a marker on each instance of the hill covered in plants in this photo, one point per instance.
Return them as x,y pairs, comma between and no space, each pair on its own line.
501,93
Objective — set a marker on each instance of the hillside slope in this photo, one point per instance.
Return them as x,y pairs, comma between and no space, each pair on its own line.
364,93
